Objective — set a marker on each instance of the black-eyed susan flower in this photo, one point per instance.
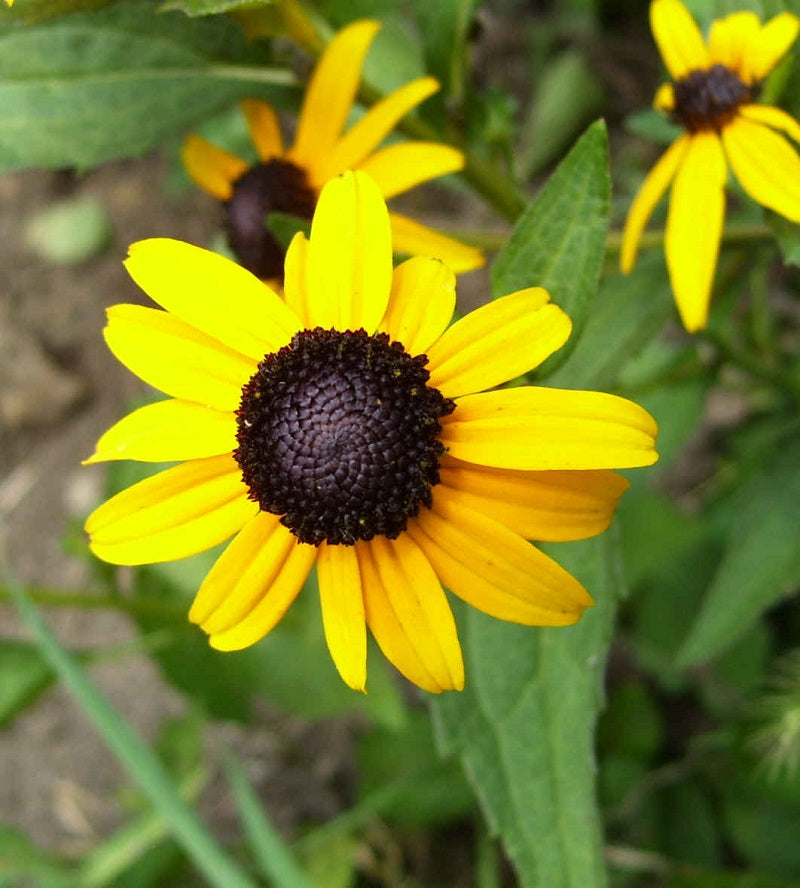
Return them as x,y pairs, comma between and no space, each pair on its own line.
289,181
347,426
713,96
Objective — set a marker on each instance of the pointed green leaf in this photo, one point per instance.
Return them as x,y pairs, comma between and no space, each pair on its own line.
559,242
84,88
761,564
523,727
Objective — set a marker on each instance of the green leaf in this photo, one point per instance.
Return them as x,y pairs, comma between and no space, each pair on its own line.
31,11
85,88
788,235
523,727
211,7
761,564
559,241
629,311
24,676
23,863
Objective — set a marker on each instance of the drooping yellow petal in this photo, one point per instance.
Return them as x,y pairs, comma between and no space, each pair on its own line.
211,168
250,573
497,342
251,587
342,600
421,305
664,99
175,358
349,263
179,512
365,135
295,287
650,193
770,45
545,506
264,128
399,168
494,569
774,117
694,227
420,606
385,625
679,39
766,165
730,38
168,431
411,238
535,428
213,294
330,95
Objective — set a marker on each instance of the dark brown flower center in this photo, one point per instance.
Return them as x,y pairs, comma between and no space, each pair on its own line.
338,434
709,99
276,186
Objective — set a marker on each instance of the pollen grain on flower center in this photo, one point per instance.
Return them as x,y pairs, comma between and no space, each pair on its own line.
338,434
708,99
275,186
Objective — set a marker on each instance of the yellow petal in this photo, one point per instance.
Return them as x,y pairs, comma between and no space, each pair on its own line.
650,193
678,37
211,168
664,99
385,625
547,506
342,600
179,512
494,569
497,342
770,45
411,238
420,606
213,294
265,130
295,288
534,428
256,584
399,168
175,358
248,573
694,227
421,305
330,96
349,263
766,165
365,135
774,117
729,40
168,431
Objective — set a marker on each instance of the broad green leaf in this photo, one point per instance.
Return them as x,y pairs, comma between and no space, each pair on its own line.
24,676
761,564
628,312
85,88
559,241
524,723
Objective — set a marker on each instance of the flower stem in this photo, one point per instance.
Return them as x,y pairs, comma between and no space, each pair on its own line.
149,607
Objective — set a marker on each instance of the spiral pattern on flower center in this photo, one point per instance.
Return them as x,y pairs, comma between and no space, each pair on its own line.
276,186
338,434
709,99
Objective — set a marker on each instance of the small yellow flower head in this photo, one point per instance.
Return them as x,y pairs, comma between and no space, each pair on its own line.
289,180
351,427
713,96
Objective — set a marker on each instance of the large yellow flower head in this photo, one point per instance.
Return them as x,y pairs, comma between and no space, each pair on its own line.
289,181
713,96
350,427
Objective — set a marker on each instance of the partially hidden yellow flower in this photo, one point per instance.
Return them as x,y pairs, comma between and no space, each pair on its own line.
289,180
348,426
713,96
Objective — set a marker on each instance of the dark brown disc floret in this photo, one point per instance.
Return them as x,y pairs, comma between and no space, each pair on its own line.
276,186
338,434
709,99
